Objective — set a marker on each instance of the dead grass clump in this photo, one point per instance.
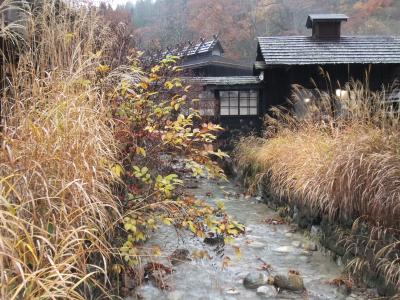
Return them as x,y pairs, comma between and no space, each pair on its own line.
57,151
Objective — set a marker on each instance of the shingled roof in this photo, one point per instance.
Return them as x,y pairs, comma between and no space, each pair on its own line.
193,49
214,60
227,80
203,47
302,50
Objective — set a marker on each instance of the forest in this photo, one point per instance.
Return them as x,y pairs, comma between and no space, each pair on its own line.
238,22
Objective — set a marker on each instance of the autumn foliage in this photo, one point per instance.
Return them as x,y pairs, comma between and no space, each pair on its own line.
238,23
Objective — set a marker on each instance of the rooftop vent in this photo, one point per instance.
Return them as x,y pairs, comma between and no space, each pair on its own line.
326,25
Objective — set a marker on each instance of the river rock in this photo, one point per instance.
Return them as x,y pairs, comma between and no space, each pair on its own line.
339,261
353,297
306,259
306,253
257,245
254,280
249,229
232,292
292,282
344,289
309,246
214,239
285,249
315,231
296,244
179,256
266,291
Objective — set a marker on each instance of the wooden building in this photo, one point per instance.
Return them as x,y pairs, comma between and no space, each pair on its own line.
207,59
240,100
230,91
285,61
232,100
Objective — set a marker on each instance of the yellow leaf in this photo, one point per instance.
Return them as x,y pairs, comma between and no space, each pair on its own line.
238,252
220,205
232,231
167,221
169,85
144,85
141,151
117,170
156,251
117,268
103,68
192,227
201,234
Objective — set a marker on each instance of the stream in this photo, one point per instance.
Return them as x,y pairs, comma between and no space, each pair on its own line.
280,246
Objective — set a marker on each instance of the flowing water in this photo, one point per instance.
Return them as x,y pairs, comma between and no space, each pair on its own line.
277,245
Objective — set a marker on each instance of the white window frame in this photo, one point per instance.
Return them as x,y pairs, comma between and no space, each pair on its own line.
231,105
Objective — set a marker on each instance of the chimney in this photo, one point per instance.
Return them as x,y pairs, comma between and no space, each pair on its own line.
326,26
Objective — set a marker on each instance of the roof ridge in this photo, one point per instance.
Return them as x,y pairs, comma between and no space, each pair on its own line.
335,38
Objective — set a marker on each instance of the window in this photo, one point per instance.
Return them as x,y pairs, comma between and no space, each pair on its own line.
207,103
238,103
393,101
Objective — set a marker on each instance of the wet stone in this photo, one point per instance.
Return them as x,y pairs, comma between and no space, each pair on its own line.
266,291
306,253
253,280
344,290
292,282
179,256
315,231
232,292
309,246
296,244
257,245
306,259
285,249
339,261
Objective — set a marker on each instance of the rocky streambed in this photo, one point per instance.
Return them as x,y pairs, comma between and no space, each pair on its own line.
272,260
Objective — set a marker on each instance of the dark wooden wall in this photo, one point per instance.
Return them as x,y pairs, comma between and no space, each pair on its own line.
277,85
218,71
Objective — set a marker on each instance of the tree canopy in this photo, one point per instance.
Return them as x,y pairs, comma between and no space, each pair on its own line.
239,22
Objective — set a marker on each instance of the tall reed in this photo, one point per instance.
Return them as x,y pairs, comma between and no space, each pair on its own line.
57,209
